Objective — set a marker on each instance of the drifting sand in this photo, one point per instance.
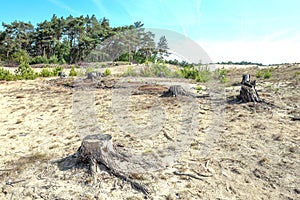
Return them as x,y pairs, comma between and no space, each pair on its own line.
256,155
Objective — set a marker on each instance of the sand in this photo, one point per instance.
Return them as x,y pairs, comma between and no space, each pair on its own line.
238,151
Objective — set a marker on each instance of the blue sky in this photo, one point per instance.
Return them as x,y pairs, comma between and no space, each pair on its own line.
266,31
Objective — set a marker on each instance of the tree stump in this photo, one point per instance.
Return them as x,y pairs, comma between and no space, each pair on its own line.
99,150
176,90
248,92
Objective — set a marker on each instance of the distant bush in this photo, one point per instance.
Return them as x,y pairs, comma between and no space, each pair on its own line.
53,60
267,74
46,72
200,73
89,70
129,72
259,73
56,70
21,57
176,74
24,71
161,69
6,75
107,72
39,60
189,72
73,72
221,74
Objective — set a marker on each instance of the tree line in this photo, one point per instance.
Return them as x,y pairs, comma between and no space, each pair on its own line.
76,39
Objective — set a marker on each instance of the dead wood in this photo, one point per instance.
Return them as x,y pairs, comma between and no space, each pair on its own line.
296,118
99,150
186,174
248,92
176,90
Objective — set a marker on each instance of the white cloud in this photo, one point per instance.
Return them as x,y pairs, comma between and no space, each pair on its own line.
267,50
64,6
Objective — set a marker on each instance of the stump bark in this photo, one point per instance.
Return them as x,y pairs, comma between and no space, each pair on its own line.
248,92
176,90
99,150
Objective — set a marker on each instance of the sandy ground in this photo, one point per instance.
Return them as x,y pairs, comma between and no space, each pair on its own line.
250,152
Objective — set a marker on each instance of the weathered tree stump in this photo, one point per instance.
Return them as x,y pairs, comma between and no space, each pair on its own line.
99,150
248,92
176,90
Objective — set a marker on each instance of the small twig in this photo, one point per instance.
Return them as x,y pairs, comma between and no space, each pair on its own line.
115,185
185,174
138,186
5,170
167,136
295,118
10,182
206,164
204,175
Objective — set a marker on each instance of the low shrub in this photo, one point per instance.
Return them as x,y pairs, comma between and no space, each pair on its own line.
259,73
24,71
267,74
160,69
129,72
89,70
199,88
107,72
46,72
6,75
73,72
57,69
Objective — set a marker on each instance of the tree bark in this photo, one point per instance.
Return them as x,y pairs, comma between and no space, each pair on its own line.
248,92
99,150
175,90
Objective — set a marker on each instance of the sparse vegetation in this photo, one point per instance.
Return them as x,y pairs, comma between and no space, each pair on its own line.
57,69
107,72
267,74
296,74
259,73
73,72
129,72
199,88
46,72
221,74
6,75
200,73
89,70
24,71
